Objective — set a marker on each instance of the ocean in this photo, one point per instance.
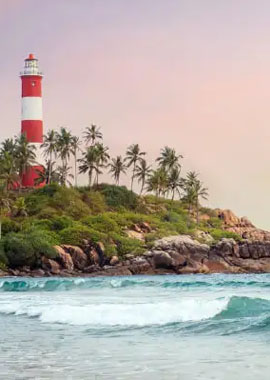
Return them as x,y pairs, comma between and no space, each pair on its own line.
142,327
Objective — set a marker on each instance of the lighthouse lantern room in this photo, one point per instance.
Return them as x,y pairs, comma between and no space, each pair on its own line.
32,120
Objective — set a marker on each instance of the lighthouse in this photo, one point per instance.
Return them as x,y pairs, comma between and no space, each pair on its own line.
31,119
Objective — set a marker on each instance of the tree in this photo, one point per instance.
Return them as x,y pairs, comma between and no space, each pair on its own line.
175,182
133,155
8,170
194,190
117,166
50,148
8,146
62,175
89,163
158,182
25,155
142,172
47,173
64,145
168,158
92,134
102,158
75,146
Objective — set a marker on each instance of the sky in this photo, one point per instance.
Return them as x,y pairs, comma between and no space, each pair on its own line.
190,74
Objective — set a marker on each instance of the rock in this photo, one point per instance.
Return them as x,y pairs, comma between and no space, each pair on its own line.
37,272
94,257
135,235
115,271
91,269
3,273
64,258
162,259
136,228
50,265
129,256
216,266
114,260
204,236
145,227
79,258
101,252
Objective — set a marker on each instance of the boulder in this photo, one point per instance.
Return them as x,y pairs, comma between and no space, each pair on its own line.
162,259
64,258
94,257
79,258
114,260
50,265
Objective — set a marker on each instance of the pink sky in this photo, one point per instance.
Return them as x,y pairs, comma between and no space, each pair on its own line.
194,75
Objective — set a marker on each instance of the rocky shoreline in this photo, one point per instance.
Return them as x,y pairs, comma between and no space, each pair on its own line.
172,255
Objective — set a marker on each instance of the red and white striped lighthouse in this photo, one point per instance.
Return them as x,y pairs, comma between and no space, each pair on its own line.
32,121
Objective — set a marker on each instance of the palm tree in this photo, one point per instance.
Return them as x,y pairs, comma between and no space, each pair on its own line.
200,192
9,146
117,167
50,148
142,172
133,155
194,190
62,175
75,146
8,170
175,182
158,182
168,158
45,173
64,145
25,155
89,163
102,158
92,134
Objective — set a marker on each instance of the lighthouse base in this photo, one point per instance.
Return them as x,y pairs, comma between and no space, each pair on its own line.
31,175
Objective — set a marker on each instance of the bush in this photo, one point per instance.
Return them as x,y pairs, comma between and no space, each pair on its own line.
69,201
77,233
94,200
58,223
126,245
26,248
102,223
218,234
9,225
117,196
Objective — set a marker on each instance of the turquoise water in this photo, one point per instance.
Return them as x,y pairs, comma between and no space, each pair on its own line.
141,327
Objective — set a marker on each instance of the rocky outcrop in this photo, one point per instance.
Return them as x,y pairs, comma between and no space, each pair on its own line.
241,226
172,255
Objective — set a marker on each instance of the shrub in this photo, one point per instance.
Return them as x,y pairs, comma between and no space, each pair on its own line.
218,234
117,196
69,201
94,200
58,223
102,223
77,233
26,248
9,225
126,245
48,213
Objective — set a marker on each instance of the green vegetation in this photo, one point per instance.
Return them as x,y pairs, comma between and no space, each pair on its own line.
60,212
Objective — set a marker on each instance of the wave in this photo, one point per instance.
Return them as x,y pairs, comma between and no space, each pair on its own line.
66,284
239,312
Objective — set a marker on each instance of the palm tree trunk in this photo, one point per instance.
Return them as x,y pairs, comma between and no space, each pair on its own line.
133,174
197,211
143,181
75,167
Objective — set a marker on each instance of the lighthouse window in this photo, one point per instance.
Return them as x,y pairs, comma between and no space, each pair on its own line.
33,84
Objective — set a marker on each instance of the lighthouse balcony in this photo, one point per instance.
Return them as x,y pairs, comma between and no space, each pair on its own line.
31,71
